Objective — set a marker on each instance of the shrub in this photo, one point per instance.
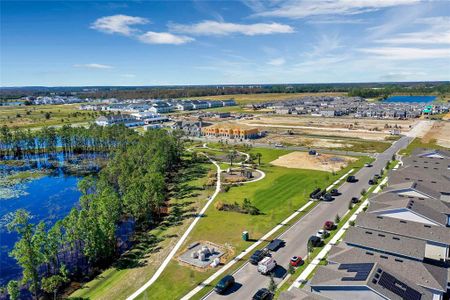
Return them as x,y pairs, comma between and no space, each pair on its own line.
337,219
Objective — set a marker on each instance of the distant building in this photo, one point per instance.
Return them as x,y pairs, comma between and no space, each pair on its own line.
161,107
232,131
229,102
184,105
198,104
127,120
150,118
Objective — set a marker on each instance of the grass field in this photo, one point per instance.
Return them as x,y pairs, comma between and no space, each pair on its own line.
35,116
419,143
136,266
256,98
277,196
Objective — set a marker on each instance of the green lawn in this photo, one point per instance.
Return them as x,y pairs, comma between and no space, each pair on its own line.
277,196
35,115
418,143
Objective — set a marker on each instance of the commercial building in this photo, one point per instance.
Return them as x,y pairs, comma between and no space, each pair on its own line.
230,131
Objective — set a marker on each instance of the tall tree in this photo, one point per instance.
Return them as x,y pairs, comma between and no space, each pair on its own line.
28,251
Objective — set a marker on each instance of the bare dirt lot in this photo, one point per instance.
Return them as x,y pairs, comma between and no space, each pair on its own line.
322,162
349,125
440,131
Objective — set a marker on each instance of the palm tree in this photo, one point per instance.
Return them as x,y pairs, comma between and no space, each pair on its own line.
231,156
258,156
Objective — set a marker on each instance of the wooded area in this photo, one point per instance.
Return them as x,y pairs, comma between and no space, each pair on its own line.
131,188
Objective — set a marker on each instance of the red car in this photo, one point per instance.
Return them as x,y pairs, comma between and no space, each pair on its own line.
296,261
329,225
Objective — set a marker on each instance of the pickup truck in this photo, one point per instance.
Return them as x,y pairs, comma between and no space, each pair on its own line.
275,245
258,255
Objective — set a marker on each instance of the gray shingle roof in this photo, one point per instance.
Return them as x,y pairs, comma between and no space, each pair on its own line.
330,276
423,274
432,209
405,228
385,242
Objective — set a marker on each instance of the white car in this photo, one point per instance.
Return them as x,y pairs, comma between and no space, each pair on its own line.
322,233
266,265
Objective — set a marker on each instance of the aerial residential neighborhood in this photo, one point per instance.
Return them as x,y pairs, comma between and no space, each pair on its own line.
225,150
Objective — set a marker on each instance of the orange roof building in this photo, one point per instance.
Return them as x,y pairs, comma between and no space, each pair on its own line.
232,131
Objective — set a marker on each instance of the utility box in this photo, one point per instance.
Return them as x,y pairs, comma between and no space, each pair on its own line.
245,235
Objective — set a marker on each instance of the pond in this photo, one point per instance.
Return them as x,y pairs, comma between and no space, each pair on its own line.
44,185
48,199
410,99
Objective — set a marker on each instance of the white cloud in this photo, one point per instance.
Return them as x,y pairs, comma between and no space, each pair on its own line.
223,28
438,32
297,9
118,24
277,61
406,53
93,66
151,37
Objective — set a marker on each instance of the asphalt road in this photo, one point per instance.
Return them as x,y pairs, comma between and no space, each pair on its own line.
248,280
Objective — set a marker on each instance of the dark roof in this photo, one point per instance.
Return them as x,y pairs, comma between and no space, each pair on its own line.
385,242
438,234
381,279
423,274
432,209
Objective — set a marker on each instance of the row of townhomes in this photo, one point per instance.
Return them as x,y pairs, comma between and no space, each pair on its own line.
399,248
41,100
131,120
327,106
157,105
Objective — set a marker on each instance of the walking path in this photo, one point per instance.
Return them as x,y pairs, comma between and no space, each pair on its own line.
182,239
191,227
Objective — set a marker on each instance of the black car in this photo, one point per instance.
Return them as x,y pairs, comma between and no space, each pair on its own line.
355,199
258,256
275,245
372,182
351,178
334,192
315,241
327,197
224,284
263,294
314,194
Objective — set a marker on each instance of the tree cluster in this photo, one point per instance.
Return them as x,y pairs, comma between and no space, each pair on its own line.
131,187
18,142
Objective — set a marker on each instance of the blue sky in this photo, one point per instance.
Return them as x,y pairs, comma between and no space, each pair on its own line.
72,43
